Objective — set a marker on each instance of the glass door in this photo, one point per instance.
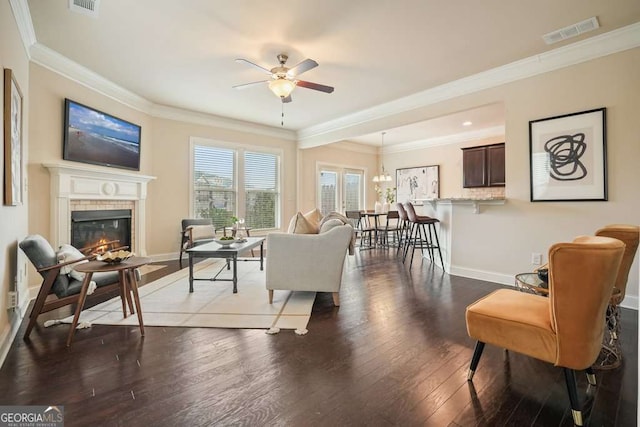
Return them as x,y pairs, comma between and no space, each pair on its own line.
340,189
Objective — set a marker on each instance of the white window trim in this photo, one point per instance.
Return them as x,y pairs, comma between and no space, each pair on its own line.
339,167
240,149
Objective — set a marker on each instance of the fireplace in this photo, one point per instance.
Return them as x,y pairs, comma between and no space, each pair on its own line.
76,187
93,227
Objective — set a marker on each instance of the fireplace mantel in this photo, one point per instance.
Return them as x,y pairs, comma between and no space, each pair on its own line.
72,182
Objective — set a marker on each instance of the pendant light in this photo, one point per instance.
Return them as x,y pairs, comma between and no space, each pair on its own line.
383,177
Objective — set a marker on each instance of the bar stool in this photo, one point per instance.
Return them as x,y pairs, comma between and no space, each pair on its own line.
419,235
404,230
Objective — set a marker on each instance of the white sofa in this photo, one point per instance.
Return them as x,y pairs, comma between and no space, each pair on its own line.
307,262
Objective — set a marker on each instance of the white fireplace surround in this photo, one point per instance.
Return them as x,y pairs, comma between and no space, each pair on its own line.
78,182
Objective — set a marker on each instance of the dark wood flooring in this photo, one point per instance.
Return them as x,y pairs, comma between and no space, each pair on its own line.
395,353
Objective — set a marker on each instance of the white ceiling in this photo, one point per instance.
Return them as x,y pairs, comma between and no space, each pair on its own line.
181,53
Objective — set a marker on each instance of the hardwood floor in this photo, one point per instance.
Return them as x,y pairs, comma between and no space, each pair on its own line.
395,353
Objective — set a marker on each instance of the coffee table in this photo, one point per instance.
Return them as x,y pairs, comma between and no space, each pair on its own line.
214,250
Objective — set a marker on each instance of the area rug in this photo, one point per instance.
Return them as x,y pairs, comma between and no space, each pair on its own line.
167,302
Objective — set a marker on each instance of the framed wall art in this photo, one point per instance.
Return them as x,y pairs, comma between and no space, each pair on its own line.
568,157
417,184
12,140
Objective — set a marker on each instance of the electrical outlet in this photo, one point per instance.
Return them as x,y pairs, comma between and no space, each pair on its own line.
536,258
13,300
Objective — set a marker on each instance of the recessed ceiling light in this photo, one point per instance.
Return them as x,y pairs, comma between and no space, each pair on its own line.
467,123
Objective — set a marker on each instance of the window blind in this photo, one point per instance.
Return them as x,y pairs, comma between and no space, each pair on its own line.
261,189
214,184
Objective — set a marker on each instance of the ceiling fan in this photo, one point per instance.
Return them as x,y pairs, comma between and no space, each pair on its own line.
283,79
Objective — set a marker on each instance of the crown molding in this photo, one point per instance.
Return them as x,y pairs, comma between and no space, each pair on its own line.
172,113
592,48
355,147
446,140
595,47
60,64
22,16
52,60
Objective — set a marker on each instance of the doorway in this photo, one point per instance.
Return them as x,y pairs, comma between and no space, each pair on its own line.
340,189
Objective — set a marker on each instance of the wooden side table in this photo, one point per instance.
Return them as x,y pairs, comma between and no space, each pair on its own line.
128,286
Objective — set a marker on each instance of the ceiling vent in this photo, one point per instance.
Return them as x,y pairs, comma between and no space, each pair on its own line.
86,7
571,31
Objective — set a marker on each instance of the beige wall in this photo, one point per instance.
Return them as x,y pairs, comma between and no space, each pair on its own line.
13,219
169,194
341,155
498,242
447,157
47,109
164,150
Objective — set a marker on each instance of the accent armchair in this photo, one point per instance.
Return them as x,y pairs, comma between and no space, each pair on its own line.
565,329
611,355
195,232
59,286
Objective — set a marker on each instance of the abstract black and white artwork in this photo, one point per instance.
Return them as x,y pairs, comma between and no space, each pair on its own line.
417,184
568,157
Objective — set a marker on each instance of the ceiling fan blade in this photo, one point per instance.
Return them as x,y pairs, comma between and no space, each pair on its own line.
287,99
246,85
264,70
302,67
314,86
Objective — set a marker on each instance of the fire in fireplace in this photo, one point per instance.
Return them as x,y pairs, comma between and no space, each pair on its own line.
91,228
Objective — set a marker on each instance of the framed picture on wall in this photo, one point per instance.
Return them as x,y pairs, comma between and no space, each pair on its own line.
418,184
12,140
568,157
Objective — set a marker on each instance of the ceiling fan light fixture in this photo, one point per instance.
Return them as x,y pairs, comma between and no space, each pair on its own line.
282,87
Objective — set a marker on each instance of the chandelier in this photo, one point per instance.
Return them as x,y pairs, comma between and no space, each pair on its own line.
384,176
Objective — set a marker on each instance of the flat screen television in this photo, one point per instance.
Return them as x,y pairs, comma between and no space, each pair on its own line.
91,136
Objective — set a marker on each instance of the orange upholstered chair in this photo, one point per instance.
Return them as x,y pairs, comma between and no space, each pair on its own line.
611,356
565,329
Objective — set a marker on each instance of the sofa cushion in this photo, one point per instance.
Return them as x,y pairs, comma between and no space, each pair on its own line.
329,225
300,225
202,232
68,253
314,217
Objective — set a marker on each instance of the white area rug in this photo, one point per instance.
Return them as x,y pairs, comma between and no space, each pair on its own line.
167,302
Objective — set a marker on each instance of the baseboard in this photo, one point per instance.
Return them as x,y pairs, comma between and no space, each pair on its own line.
171,256
630,301
11,329
487,276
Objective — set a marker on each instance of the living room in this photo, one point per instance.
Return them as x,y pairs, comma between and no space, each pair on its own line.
492,245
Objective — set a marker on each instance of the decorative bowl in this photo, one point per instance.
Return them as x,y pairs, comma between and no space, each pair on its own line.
114,257
226,242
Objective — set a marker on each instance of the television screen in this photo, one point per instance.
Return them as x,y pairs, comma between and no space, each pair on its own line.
91,136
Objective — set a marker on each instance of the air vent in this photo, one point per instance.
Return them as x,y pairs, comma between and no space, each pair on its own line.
86,7
571,31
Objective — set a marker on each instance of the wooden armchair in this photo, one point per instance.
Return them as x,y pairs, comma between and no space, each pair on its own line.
59,289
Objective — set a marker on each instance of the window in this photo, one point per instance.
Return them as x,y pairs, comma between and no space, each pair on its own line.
261,189
235,182
340,189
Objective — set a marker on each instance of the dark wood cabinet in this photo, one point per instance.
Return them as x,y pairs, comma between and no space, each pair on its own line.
495,168
483,166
